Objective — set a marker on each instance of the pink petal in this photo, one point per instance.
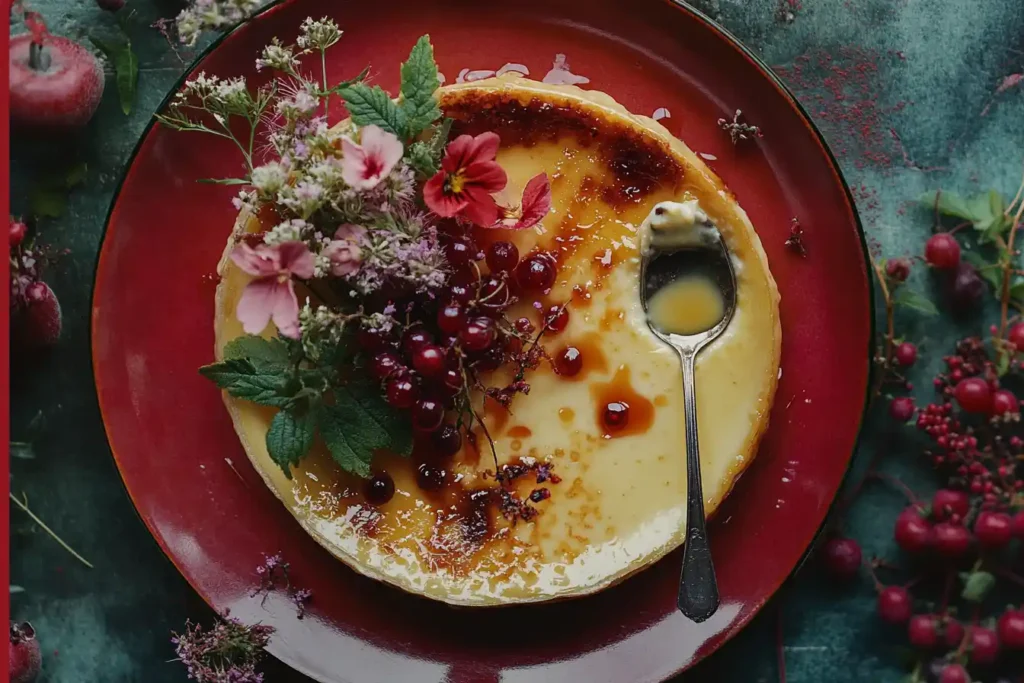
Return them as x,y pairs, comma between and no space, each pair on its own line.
261,261
455,156
438,201
536,202
486,175
256,305
286,310
297,259
480,207
484,148
383,146
344,257
350,232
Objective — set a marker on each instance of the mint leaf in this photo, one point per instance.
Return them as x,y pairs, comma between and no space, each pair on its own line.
251,381
911,299
76,175
290,437
372,106
419,83
976,585
949,204
258,350
126,69
361,422
47,202
984,211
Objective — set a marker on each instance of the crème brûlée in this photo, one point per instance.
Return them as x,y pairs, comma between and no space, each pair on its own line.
598,443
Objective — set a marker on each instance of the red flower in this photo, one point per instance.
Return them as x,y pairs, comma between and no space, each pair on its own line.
467,179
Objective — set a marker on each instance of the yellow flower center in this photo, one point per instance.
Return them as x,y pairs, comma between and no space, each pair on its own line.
456,182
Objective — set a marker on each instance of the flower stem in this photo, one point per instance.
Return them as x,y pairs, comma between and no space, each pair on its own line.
890,329
53,535
1008,266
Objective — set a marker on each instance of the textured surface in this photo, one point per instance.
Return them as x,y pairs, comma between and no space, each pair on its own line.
942,59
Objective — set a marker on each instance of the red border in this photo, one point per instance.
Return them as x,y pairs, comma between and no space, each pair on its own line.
5,414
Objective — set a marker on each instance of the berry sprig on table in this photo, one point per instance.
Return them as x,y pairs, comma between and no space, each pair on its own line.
960,547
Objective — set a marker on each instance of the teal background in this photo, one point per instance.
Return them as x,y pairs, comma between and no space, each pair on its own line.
112,624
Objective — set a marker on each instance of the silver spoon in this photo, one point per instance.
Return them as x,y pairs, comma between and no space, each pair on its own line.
698,588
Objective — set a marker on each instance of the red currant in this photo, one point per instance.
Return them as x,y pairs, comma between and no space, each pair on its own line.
1003,402
494,294
415,338
946,502
616,415
1011,629
951,540
373,341
536,273
447,440
379,490
478,334
974,395
459,252
952,632
430,477
569,362
993,529
401,392
942,251
967,289
984,645
1018,525
427,414
898,269
556,319
386,364
894,604
842,557
1016,336
905,354
524,326
902,408
429,360
18,230
451,317
912,533
452,381
502,257
922,631
954,673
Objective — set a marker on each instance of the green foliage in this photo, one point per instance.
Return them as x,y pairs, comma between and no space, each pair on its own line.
419,83
372,106
984,211
126,68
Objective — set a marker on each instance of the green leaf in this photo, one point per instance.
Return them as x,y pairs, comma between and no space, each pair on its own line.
984,211
336,89
223,181
949,204
290,437
421,157
361,422
257,349
1003,363
976,585
251,381
126,69
373,106
47,202
989,272
419,83
76,175
910,299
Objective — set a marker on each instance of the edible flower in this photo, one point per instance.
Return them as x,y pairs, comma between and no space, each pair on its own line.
271,295
343,252
364,165
468,177
535,204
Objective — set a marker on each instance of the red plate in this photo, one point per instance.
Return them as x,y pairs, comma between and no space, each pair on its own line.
171,436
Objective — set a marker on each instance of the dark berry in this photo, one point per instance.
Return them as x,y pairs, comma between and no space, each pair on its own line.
905,354
993,529
946,503
894,604
462,290
373,341
414,339
568,361
502,257
898,269
952,632
401,392
447,440
984,648
1016,336
1004,402
616,415
427,414
429,360
452,380
524,326
967,289
922,631
1018,525
954,673
494,294
842,557
536,273
556,319
489,359
902,408
912,533
942,251
430,477
951,540
17,233
379,489
459,252
478,334
451,317
386,364
1011,629
974,395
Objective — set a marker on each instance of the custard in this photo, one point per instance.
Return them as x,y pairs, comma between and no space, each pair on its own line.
690,305
597,446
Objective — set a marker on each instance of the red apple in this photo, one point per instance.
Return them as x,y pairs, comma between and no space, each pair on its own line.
55,83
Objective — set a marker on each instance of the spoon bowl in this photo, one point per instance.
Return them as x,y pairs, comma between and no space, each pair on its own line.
661,268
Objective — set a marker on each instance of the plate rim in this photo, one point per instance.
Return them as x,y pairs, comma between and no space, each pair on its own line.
733,42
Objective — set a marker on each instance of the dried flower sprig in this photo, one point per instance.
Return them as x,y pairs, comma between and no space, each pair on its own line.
738,129
213,15
274,574
227,653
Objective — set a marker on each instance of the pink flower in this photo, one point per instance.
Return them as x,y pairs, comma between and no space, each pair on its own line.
343,251
363,166
467,179
271,295
535,204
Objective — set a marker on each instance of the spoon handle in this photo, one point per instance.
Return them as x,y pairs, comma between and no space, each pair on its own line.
698,588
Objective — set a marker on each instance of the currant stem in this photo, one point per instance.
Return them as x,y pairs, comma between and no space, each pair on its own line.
890,329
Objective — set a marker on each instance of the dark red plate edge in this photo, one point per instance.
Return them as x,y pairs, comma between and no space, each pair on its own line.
730,40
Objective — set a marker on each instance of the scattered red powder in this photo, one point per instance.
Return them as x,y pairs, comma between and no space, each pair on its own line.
842,91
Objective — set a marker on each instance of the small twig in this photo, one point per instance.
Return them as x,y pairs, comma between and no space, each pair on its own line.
890,328
53,535
896,484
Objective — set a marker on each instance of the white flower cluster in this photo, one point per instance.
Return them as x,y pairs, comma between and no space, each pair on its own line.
293,230
204,15
278,56
318,35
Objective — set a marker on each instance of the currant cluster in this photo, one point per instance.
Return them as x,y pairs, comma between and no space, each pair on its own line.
965,286
448,346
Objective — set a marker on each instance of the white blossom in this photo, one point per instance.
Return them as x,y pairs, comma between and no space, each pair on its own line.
318,35
270,177
277,56
293,230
